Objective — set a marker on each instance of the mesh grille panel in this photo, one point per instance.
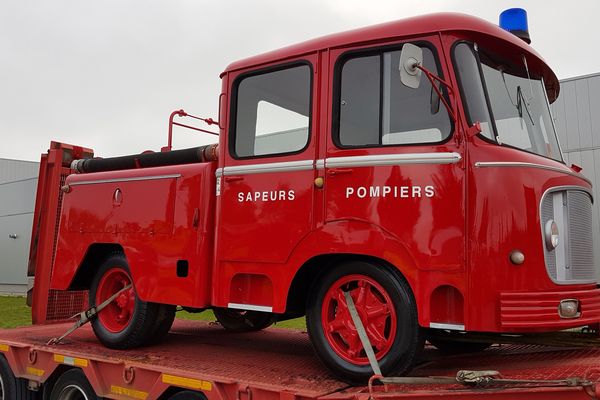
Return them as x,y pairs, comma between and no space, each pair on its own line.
573,260
63,305
63,178
581,236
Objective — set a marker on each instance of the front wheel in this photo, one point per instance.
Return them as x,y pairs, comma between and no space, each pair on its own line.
387,309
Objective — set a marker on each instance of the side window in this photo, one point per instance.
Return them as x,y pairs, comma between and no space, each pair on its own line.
376,109
272,112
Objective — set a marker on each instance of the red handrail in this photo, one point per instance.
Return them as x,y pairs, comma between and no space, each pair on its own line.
182,113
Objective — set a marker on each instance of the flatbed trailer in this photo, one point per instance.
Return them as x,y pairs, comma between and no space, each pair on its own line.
279,364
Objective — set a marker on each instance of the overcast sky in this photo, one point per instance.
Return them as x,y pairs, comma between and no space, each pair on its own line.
107,74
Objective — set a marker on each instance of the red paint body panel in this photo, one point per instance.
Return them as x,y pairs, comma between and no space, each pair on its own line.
154,223
509,220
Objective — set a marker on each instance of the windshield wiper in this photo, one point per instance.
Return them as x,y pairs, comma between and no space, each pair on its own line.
520,102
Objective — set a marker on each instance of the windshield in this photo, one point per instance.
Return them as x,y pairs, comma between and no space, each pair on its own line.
519,107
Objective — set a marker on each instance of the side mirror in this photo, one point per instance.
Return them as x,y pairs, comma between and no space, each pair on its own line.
410,58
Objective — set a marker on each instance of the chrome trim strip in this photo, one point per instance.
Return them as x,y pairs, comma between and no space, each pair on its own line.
453,327
131,179
565,188
393,159
353,161
287,166
510,164
249,307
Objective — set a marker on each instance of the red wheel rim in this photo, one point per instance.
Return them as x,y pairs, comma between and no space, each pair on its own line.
376,312
116,316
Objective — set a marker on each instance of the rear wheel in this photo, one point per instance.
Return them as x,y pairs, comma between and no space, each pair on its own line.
127,321
12,388
73,385
242,320
387,309
188,395
164,321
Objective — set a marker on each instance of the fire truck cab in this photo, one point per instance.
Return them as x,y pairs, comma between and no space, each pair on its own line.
413,165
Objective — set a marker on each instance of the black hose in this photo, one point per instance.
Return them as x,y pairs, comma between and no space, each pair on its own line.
146,160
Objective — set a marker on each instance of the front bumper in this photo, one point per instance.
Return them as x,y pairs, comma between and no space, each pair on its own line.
538,311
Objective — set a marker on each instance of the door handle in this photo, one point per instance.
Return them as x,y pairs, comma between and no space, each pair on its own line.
233,178
339,171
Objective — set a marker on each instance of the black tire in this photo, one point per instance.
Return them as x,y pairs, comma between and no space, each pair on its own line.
397,354
12,388
449,346
164,321
143,315
73,385
243,321
188,395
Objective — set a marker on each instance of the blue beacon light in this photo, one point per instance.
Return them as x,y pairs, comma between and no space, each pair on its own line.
514,20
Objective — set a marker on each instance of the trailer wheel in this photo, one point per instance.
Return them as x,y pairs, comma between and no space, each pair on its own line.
188,395
242,320
127,322
73,385
387,309
12,388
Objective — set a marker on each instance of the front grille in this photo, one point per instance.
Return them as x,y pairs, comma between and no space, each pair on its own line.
572,261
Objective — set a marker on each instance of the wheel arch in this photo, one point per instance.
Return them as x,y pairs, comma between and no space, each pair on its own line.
312,270
344,240
94,256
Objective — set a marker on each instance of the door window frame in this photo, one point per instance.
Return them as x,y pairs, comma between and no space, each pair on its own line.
231,136
375,50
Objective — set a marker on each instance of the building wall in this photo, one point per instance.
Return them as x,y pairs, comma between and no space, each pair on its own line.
18,183
576,114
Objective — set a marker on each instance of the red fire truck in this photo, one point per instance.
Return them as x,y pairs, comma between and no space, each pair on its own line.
392,183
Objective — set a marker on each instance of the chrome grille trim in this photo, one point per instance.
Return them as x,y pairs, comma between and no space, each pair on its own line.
572,262
581,244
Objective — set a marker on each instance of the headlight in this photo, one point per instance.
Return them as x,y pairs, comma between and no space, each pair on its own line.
551,234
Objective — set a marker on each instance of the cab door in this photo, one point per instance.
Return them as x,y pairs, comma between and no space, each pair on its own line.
266,188
394,161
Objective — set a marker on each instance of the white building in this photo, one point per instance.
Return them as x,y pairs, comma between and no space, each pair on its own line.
18,183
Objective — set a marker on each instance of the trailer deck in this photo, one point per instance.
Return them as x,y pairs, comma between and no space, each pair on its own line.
279,364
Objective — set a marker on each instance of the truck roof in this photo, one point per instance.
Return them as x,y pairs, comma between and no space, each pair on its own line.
485,33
